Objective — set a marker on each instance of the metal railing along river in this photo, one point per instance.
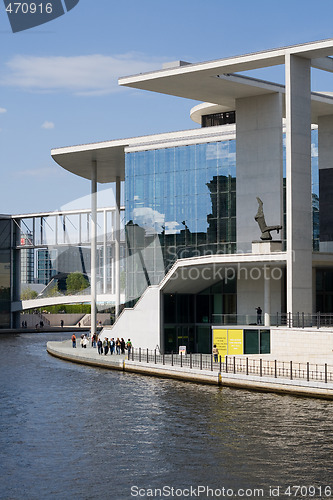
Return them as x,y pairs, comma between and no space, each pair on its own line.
237,365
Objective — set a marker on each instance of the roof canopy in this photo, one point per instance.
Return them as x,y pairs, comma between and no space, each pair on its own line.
212,82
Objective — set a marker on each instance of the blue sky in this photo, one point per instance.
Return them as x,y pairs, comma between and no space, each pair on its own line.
58,82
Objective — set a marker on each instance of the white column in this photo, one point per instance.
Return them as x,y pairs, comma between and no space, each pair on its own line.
259,156
104,253
267,296
298,184
93,245
117,250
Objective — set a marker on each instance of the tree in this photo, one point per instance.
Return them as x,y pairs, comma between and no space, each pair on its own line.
28,294
76,282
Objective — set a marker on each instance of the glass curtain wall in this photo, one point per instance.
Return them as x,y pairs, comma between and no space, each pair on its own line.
5,270
315,189
179,202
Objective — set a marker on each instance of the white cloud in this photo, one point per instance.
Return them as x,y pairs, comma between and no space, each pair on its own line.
82,75
48,125
3,110
40,172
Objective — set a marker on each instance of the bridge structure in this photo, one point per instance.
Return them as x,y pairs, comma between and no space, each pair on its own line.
25,305
49,245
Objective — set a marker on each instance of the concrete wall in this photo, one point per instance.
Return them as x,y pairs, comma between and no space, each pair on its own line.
302,344
259,165
250,292
55,319
142,323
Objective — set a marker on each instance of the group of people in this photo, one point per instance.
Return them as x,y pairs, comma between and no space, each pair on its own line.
118,346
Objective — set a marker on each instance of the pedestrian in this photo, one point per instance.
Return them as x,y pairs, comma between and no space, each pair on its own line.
122,346
94,340
106,345
259,313
62,323
73,340
118,345
85,341
112,346
100,346
215,353
129,346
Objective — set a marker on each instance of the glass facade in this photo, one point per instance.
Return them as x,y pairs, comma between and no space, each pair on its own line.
179,202
5,269
188,317
315,189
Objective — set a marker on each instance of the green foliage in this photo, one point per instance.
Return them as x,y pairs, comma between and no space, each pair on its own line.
28,294
76,282
68,309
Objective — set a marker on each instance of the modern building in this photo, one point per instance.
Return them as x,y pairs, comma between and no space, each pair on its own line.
231,215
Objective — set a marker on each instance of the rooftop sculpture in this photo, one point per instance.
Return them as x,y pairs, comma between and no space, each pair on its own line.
260,219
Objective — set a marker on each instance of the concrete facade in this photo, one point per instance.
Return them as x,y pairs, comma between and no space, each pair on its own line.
259,164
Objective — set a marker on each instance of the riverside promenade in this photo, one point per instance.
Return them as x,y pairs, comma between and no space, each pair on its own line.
251,374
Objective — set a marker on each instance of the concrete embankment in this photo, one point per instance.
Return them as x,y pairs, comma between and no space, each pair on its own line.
90,356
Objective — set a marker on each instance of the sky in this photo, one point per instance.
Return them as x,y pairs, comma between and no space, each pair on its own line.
58,81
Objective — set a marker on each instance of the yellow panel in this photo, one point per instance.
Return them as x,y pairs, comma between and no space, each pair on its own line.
220,338
235,342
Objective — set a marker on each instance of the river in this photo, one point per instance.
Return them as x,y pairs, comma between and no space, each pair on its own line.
75,432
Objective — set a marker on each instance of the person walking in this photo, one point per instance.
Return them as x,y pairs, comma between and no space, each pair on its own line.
106,345
100,346
112,346
129,347
122,345
118,345
73,340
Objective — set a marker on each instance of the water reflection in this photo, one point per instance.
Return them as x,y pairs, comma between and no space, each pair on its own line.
70,431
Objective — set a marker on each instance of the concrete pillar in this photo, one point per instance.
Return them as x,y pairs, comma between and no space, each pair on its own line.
117,250
325,158
259,156
298,182
93,246
105,228
267,296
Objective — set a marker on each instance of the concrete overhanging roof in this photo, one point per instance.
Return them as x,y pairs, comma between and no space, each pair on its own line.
209,81
195,274
109,155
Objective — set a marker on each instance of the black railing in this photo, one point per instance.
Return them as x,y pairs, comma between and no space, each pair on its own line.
232,364
304,320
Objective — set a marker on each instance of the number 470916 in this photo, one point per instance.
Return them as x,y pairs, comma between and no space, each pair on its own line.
29,8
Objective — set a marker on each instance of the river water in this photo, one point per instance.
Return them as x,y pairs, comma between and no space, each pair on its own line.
75,432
